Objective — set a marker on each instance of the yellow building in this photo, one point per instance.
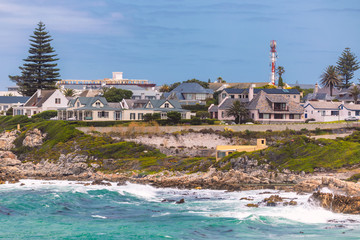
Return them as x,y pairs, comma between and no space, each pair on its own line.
222,151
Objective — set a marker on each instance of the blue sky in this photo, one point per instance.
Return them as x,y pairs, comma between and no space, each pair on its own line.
166,41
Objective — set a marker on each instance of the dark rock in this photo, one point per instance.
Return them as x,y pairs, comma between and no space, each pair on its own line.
180,201
337,203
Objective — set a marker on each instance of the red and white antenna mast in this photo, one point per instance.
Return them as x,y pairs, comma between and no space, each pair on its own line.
273,57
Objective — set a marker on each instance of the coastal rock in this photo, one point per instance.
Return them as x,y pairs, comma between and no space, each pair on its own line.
7,138
337,203
33,138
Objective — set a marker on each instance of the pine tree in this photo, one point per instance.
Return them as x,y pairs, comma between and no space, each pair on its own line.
346,66
39,70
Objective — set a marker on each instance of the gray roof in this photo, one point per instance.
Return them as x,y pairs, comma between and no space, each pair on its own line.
226,104
323,105
13,99
318,96
262,103
352,106
191,88
87,103
38,101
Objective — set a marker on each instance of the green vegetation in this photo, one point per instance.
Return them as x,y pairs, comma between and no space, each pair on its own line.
116,94
354,178
300,153
39,70
347,65
45,114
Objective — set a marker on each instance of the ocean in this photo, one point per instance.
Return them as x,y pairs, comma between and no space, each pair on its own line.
69,210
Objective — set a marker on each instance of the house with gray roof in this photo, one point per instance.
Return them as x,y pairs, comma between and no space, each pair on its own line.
264,105
7,102
322,111
243,94
98,109
267,108
42,100
189,93
90,109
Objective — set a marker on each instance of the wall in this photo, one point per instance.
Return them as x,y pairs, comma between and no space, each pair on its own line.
243,127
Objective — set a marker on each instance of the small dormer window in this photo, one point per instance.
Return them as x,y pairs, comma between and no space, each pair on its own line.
167,105
97,104
78,104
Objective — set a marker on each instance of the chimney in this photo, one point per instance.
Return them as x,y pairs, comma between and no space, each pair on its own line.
142,95
251,92
316,88
38,92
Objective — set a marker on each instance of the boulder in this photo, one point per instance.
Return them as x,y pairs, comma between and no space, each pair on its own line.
337,203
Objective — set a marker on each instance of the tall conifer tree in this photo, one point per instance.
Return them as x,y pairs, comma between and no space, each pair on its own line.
347,65
39,70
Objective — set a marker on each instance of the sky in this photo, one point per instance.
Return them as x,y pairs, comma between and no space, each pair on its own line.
167,41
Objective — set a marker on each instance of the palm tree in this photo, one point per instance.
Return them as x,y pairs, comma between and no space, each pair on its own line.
68,92
355,91
330,78
238,110
280,70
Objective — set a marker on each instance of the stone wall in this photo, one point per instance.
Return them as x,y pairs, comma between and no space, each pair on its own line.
243,127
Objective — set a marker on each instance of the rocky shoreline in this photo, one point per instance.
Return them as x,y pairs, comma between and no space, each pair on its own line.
248,175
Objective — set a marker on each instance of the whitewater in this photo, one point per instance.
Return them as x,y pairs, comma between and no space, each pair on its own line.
39,209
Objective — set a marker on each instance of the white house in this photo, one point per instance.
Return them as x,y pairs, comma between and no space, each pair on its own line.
40,101
323,111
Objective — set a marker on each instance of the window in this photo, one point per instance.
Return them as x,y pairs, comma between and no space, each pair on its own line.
57,100
132,116
279,116
239,96
97,104
323,113
200,96
357,113
183,115
166,105
294,116
140,116
189,97
247,96
334,113
261,116
221,154
223,95
222,114
294,96
103,114
266,116
232,96
78,104
163,115
280,106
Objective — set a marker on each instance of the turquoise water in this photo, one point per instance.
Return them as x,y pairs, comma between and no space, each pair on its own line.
68,210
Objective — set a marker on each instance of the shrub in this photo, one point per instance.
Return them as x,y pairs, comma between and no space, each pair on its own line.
45,114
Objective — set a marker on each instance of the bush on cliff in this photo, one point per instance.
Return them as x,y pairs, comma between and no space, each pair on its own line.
301,153
46,115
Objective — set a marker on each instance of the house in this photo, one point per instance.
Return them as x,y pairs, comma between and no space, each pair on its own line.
322,111
219,111
322,94
268,108
216,86
243,94
189,93
90,109
264,105
40,101
349,110
162,106
116,80
223,151
98,109
7,102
